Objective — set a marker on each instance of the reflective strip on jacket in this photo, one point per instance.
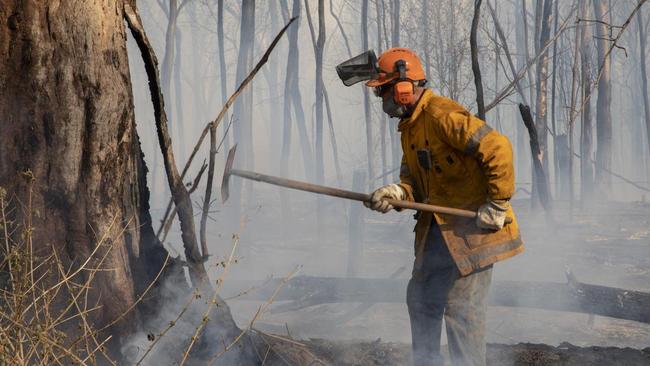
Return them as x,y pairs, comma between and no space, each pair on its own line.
452,158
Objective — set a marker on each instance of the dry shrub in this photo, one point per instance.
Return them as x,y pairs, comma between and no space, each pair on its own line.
45,308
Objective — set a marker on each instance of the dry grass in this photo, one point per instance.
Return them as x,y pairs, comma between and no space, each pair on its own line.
45,309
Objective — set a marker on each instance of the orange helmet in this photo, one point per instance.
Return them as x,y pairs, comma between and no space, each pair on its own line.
387,66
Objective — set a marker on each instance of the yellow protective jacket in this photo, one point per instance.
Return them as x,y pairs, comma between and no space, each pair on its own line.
452,158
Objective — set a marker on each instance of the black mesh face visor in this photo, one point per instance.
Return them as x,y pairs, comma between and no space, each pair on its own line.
358,68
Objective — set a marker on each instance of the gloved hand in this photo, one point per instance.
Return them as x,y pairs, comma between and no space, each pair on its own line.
492,214
377,198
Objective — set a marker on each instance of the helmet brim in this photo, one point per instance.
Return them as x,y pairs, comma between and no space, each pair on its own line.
382,80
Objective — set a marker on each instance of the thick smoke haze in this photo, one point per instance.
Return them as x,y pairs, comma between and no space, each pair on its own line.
604,240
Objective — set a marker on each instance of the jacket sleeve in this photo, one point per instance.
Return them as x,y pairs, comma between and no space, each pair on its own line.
493,151
406,180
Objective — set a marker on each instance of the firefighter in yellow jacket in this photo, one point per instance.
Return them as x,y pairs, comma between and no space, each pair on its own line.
450,158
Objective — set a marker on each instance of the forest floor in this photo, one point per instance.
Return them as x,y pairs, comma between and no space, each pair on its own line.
604,244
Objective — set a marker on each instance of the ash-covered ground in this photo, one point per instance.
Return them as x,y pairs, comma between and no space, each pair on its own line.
603,243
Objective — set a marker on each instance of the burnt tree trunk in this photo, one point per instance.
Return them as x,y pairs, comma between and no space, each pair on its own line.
521,149
67,111
603,105
541,103
68,117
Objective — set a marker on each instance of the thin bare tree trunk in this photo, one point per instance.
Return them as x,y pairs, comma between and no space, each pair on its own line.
541,122
320,48
395,141
521,149
243,106
366,99
274,133
586,135
531,81
603,105
340,26
383,121
178,98
223,74
426,21
644,76
475,66
575,86
556,164
290,90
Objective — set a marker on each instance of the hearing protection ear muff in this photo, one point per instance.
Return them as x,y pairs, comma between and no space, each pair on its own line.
404,89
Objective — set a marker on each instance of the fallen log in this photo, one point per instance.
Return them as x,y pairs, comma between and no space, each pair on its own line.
572,296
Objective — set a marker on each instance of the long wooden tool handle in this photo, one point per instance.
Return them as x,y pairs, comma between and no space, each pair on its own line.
436,209
301,186
356,196
431,208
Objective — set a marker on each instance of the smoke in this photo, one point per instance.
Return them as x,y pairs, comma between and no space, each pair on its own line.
602,243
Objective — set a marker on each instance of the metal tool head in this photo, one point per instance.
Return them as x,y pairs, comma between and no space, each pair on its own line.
225,192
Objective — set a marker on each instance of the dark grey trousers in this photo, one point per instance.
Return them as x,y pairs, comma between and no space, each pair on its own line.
437,289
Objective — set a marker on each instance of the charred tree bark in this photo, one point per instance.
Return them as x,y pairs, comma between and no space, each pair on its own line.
540,175
603,181
544,15
166,72
523,164
67,112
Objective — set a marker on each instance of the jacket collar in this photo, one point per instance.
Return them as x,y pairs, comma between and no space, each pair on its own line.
406,123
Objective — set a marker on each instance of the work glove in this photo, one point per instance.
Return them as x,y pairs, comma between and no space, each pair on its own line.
378,197
492,214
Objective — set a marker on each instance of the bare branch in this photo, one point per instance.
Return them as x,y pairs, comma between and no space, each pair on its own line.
180,195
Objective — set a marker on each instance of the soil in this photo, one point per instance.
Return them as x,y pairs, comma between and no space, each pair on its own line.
378,353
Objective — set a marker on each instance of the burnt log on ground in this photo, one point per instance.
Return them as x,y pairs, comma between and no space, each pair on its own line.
279,350
573,296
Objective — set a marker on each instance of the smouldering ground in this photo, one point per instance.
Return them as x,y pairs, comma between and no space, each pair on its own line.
606,244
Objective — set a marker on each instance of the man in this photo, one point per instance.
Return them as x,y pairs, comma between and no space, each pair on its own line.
450,158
